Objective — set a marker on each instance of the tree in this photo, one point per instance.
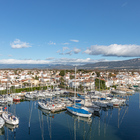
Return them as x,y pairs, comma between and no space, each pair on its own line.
15,72
99,84
81,87
61,85
98,73
36,78
62,73
72,77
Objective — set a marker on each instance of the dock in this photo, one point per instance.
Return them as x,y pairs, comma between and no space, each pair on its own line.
58,109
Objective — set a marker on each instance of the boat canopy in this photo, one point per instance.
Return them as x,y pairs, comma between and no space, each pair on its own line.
78,110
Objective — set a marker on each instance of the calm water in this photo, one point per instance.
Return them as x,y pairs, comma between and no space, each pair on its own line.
36,124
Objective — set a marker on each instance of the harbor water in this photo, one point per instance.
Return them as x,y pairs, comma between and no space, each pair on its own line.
121,123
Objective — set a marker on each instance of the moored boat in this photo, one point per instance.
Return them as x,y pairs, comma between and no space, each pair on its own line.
10,118
46,105
16,98
79,111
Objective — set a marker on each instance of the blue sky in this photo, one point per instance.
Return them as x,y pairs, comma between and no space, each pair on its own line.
68,31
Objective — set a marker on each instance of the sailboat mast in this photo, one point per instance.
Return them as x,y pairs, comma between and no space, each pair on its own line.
7,90
74,129
90,81
75,85
65,80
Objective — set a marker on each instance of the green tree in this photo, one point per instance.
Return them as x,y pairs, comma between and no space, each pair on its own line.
62,73
72,77
100,84
36,78
62,84
81,87
98,73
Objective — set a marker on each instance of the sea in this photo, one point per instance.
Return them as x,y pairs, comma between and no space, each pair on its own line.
122,123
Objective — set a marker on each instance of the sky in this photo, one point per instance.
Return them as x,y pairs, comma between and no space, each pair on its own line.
68,31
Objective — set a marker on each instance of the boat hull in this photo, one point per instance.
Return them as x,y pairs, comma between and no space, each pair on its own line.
46,107
78,113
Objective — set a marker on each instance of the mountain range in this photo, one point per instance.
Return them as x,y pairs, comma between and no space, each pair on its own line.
125,64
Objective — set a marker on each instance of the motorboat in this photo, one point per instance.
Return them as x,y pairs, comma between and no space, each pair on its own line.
16,98
46,105
29,95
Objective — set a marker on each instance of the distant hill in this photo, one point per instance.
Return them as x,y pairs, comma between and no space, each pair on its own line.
34,66
126,64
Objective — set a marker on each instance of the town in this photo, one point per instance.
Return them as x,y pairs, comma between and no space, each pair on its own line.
89,80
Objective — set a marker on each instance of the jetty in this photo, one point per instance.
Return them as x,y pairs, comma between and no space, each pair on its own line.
58,109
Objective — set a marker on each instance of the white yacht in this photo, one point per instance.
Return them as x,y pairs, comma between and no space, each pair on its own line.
10,118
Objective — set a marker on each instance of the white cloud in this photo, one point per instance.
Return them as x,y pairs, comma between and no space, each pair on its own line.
69,53
17,44
51,43
130,50
66,43
58,51
10,55
76,50
70,61
65,48
61,53
25,61
50,58
73,40
75,61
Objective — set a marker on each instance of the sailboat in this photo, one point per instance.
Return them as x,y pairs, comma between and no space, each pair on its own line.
77,110
9,117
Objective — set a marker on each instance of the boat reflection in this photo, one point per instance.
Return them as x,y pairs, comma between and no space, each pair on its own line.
11,127
16,102
122,111
49,117
2,131
80,119
44,111
80,124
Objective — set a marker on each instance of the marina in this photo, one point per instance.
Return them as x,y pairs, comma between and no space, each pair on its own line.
117,122
69,70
